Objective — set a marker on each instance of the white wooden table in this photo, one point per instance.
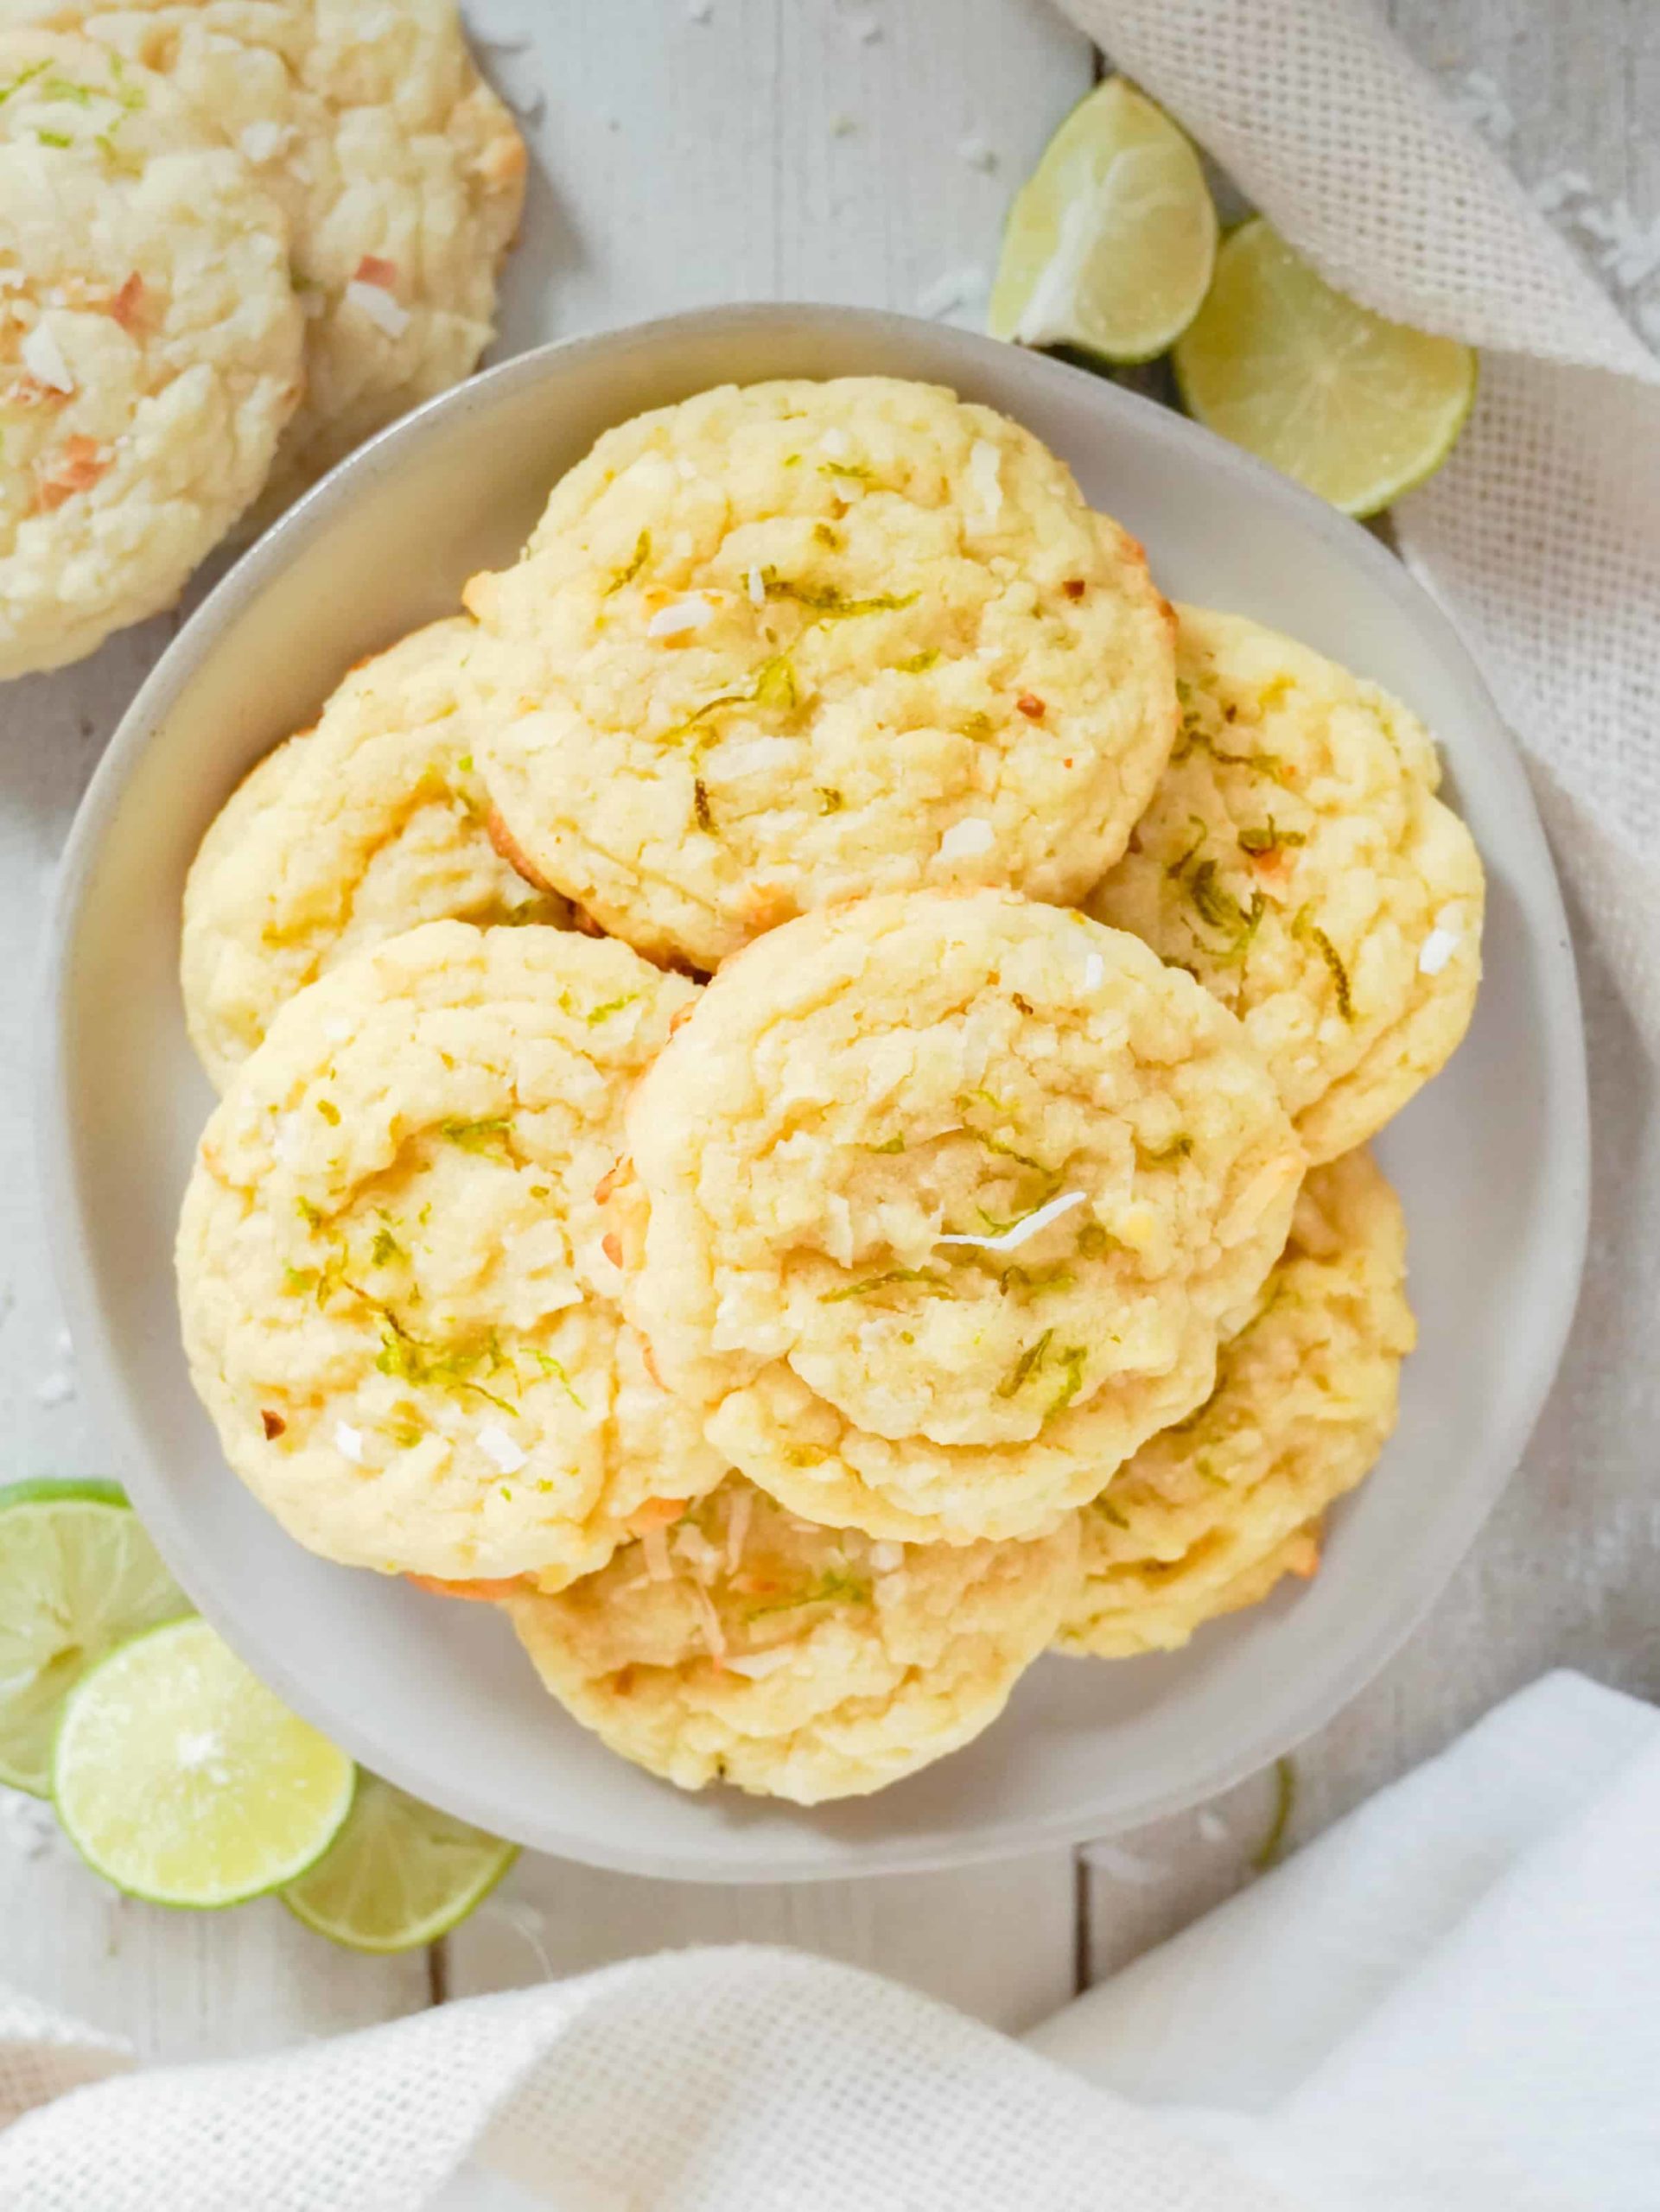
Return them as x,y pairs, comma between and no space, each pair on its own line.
696,150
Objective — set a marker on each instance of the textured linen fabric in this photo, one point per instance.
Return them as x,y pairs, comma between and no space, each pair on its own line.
1447,1999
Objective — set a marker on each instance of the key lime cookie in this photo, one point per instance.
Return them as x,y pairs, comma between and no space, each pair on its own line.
939,1204
364,827
398,1306
792,644
745,1645
401,172
150,345
1211,1513
1296,859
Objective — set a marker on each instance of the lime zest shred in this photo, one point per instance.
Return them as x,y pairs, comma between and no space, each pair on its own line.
1072,1359
888,1144
829,605
312,1216
330,1112
1177,868
1219,910
831,1588
919,663
1303,927
700,806
1269,837
493,1132
386,1251
600,1013
978,727
631,567
406,1358
1177,1148
55,138
1110,1512
298,1282
1026,1366
25,77
831,801
935,1283
549,1365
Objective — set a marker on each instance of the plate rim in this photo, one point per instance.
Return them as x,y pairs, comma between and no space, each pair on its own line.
930,1850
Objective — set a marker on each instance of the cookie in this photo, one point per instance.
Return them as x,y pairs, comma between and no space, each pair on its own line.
402,174
745,1645
396,1307
1211,1513
1296,859
938,1203
150,345
361,828
794,643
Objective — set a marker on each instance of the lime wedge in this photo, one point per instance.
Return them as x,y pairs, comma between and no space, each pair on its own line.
399,1873
1109,244
180,1778
77,1576
1358,409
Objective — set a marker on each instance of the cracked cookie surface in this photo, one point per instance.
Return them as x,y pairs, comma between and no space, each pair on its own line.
797,642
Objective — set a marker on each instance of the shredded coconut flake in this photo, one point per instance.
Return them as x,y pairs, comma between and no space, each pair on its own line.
43,357
1095,969
966,839
265,141
1011,1239
348,1442
714,1633
834,444
1437,949
382,309
756,1666
679,616
499,1449
749,757
655,1546
737,1528
755,585
984,460
884,1557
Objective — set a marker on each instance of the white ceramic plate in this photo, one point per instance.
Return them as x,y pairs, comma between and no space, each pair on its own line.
1492,1159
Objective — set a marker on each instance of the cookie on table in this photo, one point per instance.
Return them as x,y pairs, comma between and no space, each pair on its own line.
401,173
939,1204
1211,1513
1296,859
397,1305
150,345
745,1645
789,644
355,830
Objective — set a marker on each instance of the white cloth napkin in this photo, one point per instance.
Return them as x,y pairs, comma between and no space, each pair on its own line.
1450,1998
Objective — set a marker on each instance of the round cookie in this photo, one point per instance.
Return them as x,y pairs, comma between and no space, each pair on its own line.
150,345
397,1305
748,1646
355,830
401,173
939,1204
799,642
1296,859
1210,1514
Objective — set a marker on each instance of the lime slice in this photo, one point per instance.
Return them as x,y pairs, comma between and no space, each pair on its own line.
1109,244
77,1576
179,1777
1358,409
399,1873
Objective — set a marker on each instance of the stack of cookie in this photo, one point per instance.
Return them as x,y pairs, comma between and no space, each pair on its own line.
236,240
794,1083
